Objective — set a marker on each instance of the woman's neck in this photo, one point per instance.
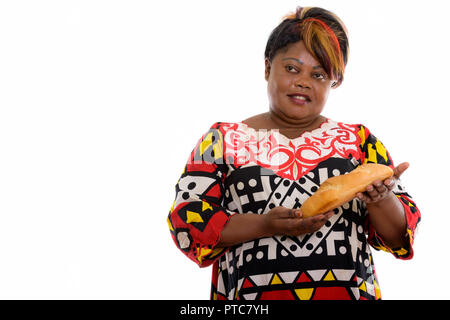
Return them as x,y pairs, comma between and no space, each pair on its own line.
278,122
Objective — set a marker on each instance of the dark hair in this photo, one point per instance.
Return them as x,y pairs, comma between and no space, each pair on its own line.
324,35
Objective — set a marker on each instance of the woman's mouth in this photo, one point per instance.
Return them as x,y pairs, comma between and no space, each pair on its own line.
299,99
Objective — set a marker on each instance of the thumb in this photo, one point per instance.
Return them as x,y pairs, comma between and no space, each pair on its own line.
294,213
400,169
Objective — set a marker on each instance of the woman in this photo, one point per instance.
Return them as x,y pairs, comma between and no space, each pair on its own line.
238,201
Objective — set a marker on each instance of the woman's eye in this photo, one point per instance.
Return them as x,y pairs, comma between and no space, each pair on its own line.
319,76
291,69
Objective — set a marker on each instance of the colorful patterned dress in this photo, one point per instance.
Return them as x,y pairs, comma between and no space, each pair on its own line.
235,169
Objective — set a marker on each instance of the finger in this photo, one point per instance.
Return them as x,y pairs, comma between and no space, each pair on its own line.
400,169
310,225
319,223
284,213
371,191
379,186
389,183
329,214
322,218
363,196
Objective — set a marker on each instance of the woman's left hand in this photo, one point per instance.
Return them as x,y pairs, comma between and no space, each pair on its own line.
379,190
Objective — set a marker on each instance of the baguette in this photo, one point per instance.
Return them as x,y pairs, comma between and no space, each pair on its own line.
338,190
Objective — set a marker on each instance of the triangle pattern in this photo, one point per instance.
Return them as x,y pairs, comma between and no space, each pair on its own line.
261,279
250,296
329,276
205,206
276,279
304,293
363,287
343,274
247,283
303,278
192,216
288,277
317,275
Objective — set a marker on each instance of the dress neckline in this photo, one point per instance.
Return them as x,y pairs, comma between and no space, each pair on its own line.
307,132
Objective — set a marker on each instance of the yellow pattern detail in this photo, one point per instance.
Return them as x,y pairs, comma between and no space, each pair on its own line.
329,276
409,233
170,224
217,147
381,150
372,154
377,290
304,294
201,252
193,217
363,287
206,205
362,135
206,143
276,279
401,252
217,251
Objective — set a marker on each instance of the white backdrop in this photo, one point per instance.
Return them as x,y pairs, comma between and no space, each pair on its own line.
102,102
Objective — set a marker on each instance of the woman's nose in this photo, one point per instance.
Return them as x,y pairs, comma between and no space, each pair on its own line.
302,81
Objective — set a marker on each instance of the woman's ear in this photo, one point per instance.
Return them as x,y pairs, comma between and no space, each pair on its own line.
267,68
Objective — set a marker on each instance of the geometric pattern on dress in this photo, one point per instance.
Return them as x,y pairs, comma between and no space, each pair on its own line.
333,262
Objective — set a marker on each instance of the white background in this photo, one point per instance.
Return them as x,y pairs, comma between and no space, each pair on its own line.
102,102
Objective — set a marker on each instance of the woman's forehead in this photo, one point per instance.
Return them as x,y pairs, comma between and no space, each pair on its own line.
297,52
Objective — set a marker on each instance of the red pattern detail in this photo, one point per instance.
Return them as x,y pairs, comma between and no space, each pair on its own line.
192,167
221,297
289,158
277,295
331,293
303,278
214,192
247,284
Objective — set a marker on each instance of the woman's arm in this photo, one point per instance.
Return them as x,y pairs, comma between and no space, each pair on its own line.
386,213
278,221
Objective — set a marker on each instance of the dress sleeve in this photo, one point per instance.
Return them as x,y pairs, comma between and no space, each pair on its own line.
197,216
373,151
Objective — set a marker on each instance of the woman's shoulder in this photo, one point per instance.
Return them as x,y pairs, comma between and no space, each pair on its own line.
255,122
357,127
258,121
227,126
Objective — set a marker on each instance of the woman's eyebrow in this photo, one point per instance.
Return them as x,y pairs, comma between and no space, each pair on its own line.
301,62
297,60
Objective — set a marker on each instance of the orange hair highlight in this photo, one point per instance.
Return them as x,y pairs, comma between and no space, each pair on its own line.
319,37
321,31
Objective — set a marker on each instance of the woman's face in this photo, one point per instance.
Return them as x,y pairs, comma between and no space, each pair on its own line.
298,86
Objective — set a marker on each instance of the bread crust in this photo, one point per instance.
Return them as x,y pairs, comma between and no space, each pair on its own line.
338,190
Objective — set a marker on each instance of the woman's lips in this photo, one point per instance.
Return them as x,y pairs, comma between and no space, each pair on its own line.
299,99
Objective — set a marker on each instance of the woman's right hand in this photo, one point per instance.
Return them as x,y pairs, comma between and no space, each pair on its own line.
284,221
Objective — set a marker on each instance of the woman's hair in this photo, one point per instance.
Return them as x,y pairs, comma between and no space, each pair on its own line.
324,35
